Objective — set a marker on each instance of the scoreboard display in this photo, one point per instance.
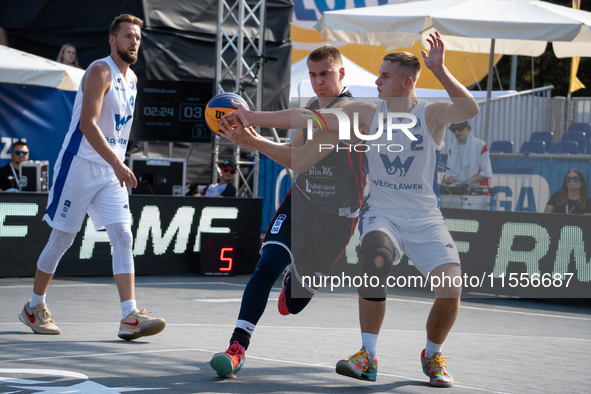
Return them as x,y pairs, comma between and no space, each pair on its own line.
171,111
217,254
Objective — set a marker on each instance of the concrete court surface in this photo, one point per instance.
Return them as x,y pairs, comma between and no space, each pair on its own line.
497,345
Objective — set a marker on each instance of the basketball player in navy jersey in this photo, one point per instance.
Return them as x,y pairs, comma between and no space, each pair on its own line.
401,212
89,177
310,229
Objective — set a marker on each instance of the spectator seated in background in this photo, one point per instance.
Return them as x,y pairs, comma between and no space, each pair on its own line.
572,196
224,188
9,181
468,159
68,55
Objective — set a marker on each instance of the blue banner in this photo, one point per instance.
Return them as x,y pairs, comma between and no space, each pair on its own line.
38,115
525,184
274,183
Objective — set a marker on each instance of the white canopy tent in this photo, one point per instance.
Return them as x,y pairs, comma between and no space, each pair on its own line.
360,82
17,67
508,27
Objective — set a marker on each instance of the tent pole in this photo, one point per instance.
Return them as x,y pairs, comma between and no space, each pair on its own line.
513,72
489,89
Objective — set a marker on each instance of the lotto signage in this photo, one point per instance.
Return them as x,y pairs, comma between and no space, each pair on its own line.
510,253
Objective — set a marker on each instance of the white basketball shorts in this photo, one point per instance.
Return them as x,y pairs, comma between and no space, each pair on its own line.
422,236
80,187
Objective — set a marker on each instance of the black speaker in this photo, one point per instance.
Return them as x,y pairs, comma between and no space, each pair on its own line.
158,175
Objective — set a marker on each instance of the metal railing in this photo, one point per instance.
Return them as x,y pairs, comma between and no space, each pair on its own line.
515,116
579,110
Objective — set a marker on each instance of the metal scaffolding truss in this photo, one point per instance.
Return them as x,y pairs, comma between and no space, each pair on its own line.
239,69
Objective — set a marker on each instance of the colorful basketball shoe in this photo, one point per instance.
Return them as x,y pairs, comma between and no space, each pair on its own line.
361,365
434,368
281,305
228,363
39,319
137,324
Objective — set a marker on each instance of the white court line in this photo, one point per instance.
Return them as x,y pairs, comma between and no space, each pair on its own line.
222,300
527,313
278,289
272,360
308,328
496,310
53,372
136,285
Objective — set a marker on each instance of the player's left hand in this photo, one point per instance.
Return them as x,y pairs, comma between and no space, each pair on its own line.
238,134
436,56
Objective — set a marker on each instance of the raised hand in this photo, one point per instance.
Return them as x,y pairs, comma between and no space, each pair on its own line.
436,57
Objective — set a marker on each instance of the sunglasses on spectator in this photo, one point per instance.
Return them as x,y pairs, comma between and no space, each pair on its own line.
461,128
228,169
572,179
20,152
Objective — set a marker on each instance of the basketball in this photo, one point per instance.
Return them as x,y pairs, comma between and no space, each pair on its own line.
218,106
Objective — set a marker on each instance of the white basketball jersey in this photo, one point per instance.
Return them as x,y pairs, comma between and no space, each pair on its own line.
403,179
114,120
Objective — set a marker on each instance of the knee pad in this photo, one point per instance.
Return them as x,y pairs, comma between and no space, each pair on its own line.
376,244
59,242
121,240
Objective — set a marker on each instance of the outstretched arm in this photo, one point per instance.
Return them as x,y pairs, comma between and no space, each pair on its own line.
297,159
299,118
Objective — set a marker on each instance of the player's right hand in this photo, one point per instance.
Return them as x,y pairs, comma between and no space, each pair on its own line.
125,176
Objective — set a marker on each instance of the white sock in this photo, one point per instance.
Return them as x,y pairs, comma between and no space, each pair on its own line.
246,326
127,307
431,348
370,342
36,300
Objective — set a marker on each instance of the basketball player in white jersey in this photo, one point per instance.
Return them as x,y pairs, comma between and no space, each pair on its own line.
90,177
401,212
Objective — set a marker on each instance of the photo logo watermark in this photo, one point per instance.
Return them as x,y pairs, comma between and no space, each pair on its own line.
344,129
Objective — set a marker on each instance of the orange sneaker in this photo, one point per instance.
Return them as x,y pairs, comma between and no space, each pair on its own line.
228,363
361,365
434,368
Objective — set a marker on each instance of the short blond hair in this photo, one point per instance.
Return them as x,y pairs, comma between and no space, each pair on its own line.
405,60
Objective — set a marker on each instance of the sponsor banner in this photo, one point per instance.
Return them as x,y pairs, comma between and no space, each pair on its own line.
525,184
167,235
523,254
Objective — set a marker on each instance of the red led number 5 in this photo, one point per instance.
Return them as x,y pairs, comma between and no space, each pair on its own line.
228,259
